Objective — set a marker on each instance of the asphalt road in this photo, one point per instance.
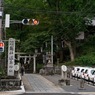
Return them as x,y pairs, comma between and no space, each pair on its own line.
74,85
49,94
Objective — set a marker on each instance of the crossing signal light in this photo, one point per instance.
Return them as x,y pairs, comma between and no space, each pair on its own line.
1,46
30,22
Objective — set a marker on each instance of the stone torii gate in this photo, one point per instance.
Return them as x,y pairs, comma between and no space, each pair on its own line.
22,55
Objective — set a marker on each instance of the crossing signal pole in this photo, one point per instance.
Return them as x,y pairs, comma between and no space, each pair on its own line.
1,14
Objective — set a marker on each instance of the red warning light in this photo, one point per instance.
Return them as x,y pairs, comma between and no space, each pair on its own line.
36,22
1,44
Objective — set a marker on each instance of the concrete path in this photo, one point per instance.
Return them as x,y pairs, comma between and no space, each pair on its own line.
74,87
37,83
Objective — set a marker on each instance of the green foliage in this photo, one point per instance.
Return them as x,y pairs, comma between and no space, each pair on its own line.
87,46
86,60
85,52
34,41
68,17
63,19
39,66
2,72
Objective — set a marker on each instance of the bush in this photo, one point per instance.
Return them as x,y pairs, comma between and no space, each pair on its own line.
39,66
2,72
86,60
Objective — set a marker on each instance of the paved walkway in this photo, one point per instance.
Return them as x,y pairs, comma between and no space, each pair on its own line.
37,83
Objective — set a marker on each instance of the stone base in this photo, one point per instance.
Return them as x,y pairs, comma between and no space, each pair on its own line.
64,81
81,88
49,70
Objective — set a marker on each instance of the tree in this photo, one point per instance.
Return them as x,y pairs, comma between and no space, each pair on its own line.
63,19
68,19
31,37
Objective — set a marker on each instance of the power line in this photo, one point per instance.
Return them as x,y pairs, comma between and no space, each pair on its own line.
36,10
52,12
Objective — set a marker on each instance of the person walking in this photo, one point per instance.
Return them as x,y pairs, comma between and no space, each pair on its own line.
22,70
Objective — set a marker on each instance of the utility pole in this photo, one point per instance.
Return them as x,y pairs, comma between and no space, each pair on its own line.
34,63
52,50
1,13
7,25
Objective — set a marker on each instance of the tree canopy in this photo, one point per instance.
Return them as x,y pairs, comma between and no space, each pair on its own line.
63,19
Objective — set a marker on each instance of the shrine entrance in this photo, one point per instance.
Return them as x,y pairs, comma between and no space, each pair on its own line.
28,61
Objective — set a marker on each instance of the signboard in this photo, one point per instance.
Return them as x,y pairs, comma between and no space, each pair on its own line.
1,13
7,20
11,57
63,72
64,68
1,46
16,67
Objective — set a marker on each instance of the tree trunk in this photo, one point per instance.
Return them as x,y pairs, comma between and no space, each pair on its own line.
70,49
61,56
71,52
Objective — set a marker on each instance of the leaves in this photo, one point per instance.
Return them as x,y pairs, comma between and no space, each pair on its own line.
63,19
